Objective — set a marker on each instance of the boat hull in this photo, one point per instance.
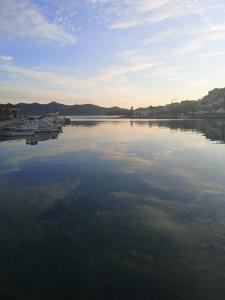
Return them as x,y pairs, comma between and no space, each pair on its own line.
15,133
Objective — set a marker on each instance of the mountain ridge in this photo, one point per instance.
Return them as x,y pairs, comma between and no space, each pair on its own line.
211,104
63,109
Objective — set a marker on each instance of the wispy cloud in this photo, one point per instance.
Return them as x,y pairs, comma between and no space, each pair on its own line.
170,73
143,13
201,38
190,47
6,58
125,24
42,82
123,69
140,5
23,19
146,5
113,82
164,35
130,61
211,54
42,75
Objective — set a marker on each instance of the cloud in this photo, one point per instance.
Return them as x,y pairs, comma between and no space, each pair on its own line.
43,84
146,5
170,73
20,18
212,33
131,61
123,69
141,5
125,24
211,54
111,83
5,58
164,35
144,12
190,47
41,75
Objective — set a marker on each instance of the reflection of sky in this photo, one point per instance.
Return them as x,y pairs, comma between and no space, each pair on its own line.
165,163
185,158
152,193
119,141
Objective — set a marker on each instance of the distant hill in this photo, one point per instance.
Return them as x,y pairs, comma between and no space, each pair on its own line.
69,110
211,104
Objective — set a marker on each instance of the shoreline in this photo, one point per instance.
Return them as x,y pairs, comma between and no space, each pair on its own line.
164,117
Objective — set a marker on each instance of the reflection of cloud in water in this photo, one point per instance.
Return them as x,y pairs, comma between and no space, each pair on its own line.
163,154
7,170
156,219
37,197
132,161
197,181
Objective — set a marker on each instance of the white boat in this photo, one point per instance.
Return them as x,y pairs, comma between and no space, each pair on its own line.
30,127
46,126
20,129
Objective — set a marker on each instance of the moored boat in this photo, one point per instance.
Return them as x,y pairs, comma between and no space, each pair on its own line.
11,132
33,126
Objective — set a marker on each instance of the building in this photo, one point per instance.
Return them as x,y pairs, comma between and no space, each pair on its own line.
141,112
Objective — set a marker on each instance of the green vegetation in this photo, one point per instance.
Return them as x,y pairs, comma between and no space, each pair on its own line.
212,104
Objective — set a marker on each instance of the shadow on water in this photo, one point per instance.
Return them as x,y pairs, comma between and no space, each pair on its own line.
212,129
33,139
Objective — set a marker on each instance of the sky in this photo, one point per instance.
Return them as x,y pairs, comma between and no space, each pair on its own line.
111,52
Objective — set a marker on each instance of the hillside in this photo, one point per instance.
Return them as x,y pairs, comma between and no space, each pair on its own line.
211,104
69,110
214,101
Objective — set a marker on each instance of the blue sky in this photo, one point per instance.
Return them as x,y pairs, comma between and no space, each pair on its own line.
111,52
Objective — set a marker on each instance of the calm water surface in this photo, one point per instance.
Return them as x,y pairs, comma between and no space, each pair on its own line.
115,209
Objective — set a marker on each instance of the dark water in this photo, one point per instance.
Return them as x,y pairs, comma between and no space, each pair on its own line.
115,210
